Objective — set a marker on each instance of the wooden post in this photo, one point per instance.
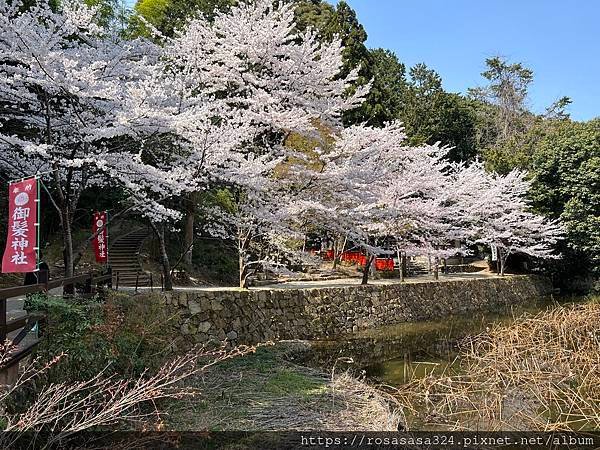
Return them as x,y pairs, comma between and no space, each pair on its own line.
2,320
43,278
109,272
87,290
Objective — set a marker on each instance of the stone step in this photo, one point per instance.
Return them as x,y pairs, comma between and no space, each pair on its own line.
130,239
131,280
124,257
127,280
128,272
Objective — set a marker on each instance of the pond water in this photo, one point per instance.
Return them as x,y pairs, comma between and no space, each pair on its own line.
394,354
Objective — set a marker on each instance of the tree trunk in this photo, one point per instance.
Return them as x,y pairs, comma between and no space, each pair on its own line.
335,254
65,223
436,269
502,259
337,251
243,244
243,271
68,256
243,280
188,238
498,261
159,231
366,270
401,265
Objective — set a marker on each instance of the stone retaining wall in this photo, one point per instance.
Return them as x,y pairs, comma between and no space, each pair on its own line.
247,317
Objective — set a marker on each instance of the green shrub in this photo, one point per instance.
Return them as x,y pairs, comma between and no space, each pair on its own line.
124,335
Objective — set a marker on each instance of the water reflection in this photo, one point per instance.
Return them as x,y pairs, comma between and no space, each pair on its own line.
395,354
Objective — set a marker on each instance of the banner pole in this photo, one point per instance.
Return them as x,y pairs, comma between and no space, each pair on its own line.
39,218
107,238
18,180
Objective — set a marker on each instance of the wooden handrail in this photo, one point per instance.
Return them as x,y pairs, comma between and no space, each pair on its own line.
17,291
25,323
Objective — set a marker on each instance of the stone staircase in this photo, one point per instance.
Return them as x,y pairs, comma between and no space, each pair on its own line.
125,259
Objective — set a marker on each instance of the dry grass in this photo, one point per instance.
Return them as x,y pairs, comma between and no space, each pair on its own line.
267,392
343,403
541,372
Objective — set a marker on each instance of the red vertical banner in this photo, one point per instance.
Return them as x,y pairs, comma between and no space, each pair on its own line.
100,241
21,250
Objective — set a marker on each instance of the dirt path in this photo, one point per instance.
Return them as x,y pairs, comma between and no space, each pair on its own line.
341,282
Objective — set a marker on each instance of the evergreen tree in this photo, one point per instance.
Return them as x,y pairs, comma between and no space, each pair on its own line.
170,15
565,170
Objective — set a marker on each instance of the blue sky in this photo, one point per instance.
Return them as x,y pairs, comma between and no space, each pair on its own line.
558,39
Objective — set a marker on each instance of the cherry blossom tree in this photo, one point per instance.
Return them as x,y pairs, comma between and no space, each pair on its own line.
503,217
214,106
65,86
161,121
372,187
379,190
270,81
413,205
345,190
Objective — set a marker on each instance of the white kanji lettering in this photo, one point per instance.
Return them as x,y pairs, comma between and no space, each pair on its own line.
19,258
21,213
20,244
19,228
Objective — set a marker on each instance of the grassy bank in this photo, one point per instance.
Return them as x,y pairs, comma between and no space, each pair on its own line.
540,372
128,338
267,391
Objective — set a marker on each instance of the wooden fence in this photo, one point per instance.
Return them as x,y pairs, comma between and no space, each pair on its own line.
25,324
